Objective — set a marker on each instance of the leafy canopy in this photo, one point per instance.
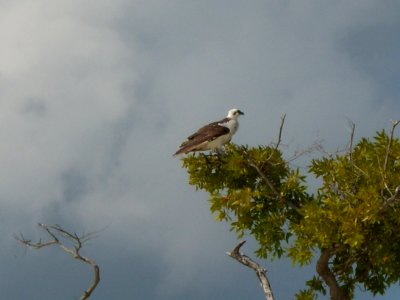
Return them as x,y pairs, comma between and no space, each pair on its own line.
354,213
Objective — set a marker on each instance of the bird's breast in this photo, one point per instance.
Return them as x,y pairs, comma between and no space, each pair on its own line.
232,125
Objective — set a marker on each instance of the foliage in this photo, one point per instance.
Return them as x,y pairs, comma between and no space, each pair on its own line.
354,213
239,194
314,285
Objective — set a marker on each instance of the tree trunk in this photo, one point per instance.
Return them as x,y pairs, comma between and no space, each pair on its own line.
336,293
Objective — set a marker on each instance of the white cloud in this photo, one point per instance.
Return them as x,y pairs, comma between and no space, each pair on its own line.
65,79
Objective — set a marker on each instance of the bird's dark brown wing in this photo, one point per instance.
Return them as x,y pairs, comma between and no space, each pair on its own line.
206,133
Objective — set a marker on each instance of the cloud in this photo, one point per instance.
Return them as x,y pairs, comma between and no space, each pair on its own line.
95,96
65,84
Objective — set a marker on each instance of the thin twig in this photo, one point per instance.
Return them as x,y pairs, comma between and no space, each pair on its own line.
353,128
280,132
279,139
316,146
389,147
260,271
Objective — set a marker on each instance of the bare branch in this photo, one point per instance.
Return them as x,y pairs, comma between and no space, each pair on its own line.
280,132
37,245
353,128
56,230
316,146
389,147
386,160
260,271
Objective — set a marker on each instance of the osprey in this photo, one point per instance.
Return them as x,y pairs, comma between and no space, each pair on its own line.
212,136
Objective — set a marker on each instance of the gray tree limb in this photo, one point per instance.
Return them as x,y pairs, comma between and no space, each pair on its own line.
260,271
56,232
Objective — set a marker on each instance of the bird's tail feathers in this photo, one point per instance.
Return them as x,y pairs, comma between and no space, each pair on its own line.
186,149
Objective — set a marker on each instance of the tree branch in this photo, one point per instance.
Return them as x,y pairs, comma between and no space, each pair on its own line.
265,178
280,132
350,151
316,146
391,200
273,188
389,147
56,230
336,293
260,271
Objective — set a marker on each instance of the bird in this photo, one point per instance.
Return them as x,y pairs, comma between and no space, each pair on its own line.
212,136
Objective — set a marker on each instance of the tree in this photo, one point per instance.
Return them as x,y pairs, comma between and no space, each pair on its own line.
61,237
350,226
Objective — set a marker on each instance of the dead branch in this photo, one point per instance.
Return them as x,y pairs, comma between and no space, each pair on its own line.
389,147
386,159
260,271
280,132
353,128
56,232
315,146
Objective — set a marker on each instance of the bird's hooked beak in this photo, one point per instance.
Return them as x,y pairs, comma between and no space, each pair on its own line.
240,112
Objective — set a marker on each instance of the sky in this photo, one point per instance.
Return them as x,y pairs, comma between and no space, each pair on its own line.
95,97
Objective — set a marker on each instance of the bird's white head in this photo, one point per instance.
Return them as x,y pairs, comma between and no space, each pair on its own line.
234,113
